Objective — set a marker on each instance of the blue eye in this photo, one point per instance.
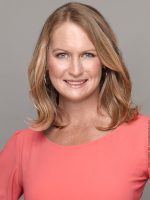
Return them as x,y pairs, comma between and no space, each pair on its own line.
61,55
89,55
65,55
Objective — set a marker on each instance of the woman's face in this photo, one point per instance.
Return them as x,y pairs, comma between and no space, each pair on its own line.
72,57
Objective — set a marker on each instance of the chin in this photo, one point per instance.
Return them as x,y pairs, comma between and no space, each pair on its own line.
73,98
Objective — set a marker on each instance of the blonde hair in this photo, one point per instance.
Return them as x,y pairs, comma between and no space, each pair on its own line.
115,88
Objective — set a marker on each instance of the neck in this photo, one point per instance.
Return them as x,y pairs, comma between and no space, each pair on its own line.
81,112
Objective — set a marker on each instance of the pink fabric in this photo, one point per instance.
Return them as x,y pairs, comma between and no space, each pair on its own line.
113,167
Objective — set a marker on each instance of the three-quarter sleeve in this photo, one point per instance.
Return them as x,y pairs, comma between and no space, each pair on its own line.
10,170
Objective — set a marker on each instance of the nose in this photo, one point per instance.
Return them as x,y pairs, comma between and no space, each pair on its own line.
75,68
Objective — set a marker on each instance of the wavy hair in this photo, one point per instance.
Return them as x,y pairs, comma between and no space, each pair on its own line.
115,87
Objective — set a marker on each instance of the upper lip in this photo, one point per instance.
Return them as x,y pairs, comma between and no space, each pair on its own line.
71,80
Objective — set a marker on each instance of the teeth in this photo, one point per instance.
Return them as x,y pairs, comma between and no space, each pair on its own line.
75,83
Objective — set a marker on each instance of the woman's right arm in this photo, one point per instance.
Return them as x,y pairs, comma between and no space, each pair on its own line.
10,172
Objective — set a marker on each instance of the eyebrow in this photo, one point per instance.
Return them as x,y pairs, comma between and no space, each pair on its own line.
58,49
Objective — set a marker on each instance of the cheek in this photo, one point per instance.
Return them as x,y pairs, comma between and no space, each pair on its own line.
55,69
96,68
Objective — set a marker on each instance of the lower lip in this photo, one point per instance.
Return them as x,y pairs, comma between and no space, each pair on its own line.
76,85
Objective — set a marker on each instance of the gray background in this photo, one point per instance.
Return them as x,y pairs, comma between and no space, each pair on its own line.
20,25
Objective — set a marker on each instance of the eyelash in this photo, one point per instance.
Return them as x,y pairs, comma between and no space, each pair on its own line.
91,55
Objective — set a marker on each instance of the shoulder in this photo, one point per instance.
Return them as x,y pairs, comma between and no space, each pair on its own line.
26,134
21,143
141,121
139,127
23,137
14,146
137,130
143,118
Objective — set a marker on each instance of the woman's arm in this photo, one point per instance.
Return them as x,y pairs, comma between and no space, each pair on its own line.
10,181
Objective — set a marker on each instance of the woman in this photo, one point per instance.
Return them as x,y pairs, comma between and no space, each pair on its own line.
89,141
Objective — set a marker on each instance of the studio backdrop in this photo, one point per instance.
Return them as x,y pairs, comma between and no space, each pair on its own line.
20,26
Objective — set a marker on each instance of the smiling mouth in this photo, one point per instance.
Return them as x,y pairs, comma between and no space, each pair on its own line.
76,83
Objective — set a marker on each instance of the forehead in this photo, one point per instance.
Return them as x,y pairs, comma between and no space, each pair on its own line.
70,35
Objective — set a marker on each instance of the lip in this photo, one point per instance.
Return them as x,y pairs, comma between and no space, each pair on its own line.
74,84
80,80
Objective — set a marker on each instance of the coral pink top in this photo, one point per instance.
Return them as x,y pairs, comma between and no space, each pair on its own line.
113,167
